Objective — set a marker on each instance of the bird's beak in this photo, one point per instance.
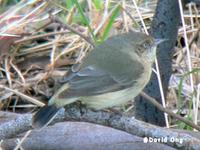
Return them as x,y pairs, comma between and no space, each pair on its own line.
158,41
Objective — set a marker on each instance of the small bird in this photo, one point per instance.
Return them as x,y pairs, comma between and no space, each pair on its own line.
113,73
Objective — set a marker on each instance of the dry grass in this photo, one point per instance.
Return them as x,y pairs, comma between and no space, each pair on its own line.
30,74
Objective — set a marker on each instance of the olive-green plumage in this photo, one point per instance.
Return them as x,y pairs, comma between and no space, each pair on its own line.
113,73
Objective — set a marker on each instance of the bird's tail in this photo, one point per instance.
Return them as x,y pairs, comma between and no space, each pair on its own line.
44,116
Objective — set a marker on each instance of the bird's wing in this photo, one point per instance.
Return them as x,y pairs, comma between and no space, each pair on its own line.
93,81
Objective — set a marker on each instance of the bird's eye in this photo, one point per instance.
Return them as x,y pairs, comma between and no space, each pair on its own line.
146,45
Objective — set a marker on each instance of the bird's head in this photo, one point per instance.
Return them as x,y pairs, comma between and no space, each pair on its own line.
147,46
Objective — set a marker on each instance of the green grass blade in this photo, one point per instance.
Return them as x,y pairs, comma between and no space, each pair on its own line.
84,18
69,4
98,4
180,86
110,23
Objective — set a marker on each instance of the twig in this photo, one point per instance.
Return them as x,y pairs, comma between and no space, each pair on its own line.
130,16
195,37
23,139
161,108
57,20
32,100
111,119
188,52
40,36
